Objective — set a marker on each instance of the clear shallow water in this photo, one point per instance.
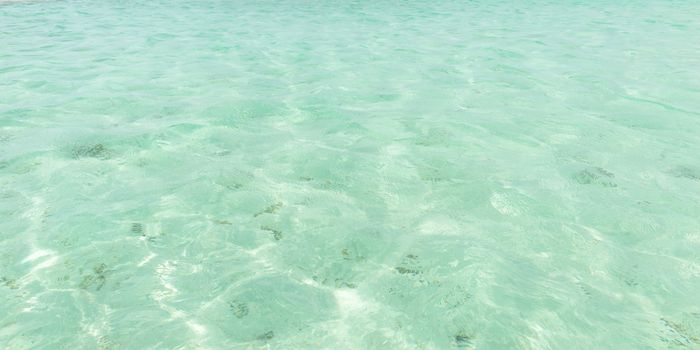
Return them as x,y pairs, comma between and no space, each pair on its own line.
350,175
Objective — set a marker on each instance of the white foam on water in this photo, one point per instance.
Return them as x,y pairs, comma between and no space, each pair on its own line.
163,272
538,337
440,226
31,304
504,205
37,254
349,301
45,264
146,259
197,328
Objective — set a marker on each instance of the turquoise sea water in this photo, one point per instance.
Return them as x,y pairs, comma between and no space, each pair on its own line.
349,174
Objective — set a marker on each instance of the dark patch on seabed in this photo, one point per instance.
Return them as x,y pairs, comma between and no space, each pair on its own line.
276,234
9,282
97,279
352,254
339,282
680,333
97,150
409,266
137,228
595,176
239,309
685,172
104,343
272,209
462,340
266,336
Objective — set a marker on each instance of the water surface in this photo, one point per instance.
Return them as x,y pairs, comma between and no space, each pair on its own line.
349,174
